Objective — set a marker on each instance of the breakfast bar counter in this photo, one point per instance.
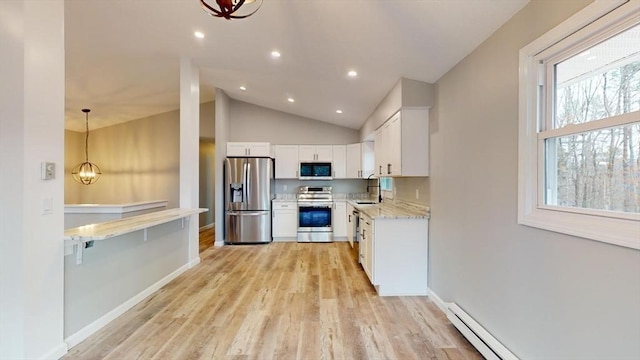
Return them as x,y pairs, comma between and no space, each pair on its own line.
109,229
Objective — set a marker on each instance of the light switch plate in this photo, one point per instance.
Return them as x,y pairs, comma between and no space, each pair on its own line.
47,170
47,206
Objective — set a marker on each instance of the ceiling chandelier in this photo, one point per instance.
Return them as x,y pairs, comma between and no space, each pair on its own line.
230,9
86,173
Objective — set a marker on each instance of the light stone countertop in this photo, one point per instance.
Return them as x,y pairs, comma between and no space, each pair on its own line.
113,208
284,200
394,210
336,197
109,229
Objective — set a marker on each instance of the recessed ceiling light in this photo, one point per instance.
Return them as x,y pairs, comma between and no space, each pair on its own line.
591,58
339,111
243,88
199,35
290,100
585,53
275,54
352,73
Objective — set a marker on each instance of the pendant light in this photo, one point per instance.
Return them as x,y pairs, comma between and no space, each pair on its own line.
230,9
86,173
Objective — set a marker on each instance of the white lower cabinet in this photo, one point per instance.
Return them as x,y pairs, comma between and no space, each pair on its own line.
350,220
367,247
395,254
284,223
339,220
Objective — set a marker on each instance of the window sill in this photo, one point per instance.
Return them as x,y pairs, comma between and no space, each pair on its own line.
619,232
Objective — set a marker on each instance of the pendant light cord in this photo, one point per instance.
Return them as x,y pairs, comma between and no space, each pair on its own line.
86,139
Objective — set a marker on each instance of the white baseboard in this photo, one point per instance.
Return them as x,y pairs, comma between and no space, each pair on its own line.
477,335
206,227
437,300
285,239
194,262
490,347
98,324
218,243
55,353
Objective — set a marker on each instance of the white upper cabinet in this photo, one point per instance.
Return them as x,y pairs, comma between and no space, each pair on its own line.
354,161
316,153
394,146
286,164
367,155
360,160
253,149
339,161
402,144
381,150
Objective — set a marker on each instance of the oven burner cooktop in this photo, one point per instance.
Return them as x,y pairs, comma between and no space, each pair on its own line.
310,193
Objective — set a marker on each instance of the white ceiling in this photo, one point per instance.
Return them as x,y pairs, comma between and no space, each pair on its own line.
122,56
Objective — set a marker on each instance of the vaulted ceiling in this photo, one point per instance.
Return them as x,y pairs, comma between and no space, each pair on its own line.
122,56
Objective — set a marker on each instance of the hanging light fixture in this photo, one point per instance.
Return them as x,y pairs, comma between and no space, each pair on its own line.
230,9
86,173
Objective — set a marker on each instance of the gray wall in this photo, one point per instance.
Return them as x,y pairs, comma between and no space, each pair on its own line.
115,270
250,122
73,155
139,161
207,162
543,294
208,120
222,135
207,175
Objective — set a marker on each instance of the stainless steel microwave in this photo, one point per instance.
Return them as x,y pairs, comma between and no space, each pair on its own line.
315,171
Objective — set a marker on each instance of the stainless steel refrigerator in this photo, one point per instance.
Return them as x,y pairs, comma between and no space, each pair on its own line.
248,191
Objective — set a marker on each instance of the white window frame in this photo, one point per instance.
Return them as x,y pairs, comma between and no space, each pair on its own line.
623,230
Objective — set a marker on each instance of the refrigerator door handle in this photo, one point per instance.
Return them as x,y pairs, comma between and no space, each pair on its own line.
247,213
245,180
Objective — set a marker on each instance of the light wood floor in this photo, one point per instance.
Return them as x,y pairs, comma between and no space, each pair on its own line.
277,301
207,237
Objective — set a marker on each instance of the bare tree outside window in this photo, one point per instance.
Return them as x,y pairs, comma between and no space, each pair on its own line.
598,169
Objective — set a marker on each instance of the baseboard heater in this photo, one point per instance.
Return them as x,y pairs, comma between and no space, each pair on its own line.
480,338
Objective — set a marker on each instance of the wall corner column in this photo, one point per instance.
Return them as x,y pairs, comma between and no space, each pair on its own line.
189,149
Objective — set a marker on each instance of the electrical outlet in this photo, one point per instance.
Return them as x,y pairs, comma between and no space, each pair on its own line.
417,194
284,187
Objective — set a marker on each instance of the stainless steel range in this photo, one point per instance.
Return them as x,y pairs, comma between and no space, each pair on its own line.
315,206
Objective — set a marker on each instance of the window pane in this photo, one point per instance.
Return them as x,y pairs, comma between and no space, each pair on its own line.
595,170
386,184
600,82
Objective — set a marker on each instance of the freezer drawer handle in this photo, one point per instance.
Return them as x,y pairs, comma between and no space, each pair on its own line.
247,213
